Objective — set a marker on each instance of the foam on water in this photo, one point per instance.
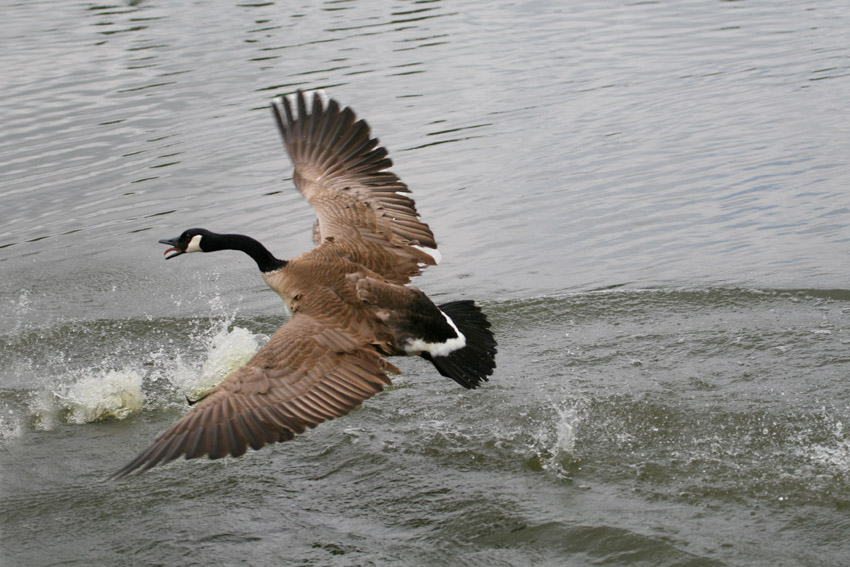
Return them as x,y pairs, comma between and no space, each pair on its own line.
110,394
93,396
110,390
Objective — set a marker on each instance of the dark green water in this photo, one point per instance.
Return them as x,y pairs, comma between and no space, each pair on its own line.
642,427
649,199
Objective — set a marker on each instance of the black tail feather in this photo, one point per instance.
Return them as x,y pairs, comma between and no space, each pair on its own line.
472,364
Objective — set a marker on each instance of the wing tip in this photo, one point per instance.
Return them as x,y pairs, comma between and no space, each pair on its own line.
292,100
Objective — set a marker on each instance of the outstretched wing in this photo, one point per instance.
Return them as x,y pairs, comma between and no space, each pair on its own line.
342,172
306,374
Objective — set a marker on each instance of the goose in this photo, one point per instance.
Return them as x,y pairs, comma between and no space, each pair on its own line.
350,303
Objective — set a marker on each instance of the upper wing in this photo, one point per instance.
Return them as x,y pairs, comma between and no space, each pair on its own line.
306,374
342,172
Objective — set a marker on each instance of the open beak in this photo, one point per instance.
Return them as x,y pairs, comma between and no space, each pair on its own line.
173,243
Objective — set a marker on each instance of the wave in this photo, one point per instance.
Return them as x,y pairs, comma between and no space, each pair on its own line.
708,393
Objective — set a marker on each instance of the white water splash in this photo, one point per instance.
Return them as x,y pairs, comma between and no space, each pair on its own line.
562,440
835,455
22,308
10,425
555,440
226,350
91,397
163,378
111,394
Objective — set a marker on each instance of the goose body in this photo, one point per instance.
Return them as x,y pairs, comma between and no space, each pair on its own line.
350,303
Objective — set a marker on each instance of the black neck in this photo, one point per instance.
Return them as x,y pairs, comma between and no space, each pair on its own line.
264,259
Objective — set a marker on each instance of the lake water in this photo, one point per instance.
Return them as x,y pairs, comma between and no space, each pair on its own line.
650,200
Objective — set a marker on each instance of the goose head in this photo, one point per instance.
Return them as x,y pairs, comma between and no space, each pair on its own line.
192,240
202,240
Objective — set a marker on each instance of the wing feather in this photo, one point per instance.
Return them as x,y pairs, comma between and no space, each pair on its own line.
313,374
343,173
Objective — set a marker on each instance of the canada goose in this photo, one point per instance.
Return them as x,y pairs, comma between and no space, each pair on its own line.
349,302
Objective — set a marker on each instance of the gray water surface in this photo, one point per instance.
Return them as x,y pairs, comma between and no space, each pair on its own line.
649,200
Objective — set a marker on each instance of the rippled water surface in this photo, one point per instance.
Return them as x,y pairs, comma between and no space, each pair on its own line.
650,200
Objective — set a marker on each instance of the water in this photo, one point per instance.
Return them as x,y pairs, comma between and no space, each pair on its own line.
649,199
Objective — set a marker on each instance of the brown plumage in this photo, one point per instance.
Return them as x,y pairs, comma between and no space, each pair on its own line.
350,307
342,172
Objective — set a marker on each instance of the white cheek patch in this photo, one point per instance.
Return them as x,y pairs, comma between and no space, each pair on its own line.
416,346
194,244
